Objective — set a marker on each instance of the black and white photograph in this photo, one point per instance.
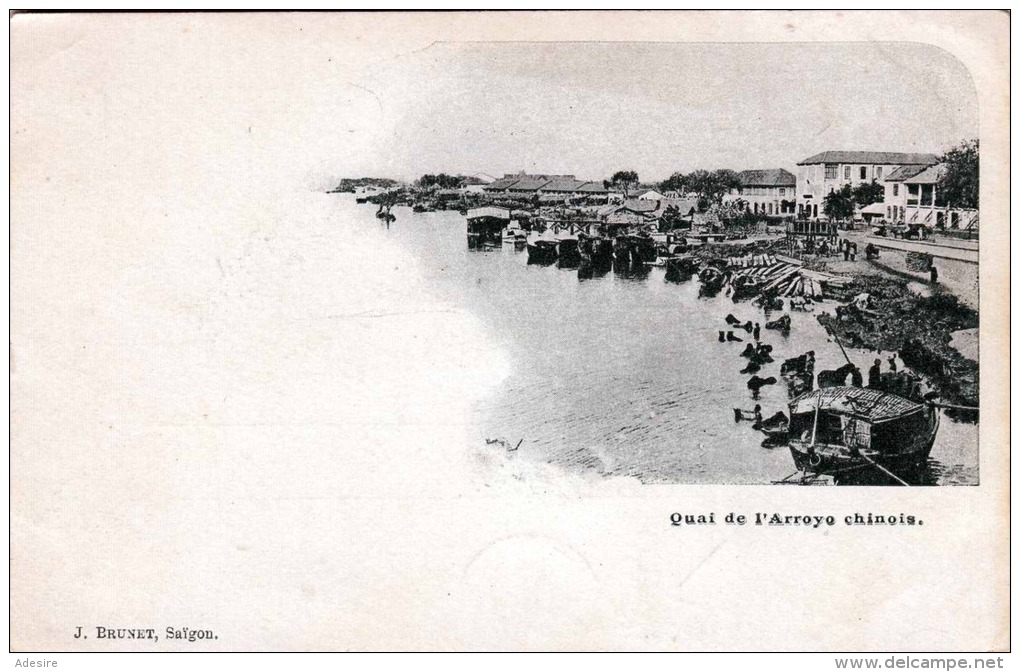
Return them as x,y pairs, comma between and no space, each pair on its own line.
509,331
698,264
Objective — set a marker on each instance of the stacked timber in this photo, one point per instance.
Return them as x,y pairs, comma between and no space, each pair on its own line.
772,276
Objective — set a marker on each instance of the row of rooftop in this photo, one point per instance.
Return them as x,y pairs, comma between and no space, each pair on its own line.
777,191
907,165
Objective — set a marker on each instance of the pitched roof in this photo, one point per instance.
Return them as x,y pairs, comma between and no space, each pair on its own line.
529,184
641,193
640,205
860,402
563,185
592,188
893,158
770,177
929,175
903,172
502,183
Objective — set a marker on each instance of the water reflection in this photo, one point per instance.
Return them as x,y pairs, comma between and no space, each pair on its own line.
622,373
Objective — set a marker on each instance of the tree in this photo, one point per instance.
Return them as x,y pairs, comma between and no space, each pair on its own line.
442,181
959,185
625,180
866,193
675,182
839,204
711,186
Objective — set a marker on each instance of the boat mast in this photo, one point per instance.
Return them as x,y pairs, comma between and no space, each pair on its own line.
814,427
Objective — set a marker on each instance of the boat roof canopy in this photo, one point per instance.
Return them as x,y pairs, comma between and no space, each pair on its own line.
859,402
494,213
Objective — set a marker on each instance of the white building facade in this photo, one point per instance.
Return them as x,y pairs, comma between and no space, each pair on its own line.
771,192
828,171
912,197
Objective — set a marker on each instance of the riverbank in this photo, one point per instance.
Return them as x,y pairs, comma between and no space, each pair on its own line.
919,328
904,314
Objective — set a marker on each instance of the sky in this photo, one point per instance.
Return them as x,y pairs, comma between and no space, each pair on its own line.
236,105
590,109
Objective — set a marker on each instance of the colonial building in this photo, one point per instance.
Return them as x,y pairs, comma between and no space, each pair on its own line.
912,197
522,182
552,188
823,173
768,192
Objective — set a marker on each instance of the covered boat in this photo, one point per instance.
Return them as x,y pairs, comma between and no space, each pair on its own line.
595,250
634,250
485,226
567,252
682,268
860,435
542,251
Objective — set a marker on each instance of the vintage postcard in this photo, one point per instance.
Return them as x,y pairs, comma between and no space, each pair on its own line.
509,331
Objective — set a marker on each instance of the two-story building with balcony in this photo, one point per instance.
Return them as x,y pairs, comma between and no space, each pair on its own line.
828,171
912,197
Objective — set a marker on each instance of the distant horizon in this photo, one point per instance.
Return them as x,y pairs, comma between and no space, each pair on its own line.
590,109
643,180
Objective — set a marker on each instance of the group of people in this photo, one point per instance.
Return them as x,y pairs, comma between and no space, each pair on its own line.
875,372
848,249
752,328
757,354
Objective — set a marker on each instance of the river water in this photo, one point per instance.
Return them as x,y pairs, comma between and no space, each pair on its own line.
614,375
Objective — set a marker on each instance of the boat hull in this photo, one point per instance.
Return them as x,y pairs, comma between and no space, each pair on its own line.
542,252
567,254
848,468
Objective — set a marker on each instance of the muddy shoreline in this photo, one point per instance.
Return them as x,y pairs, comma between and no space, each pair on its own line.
897,319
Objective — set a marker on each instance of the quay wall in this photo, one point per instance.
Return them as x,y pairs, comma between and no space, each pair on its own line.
959,277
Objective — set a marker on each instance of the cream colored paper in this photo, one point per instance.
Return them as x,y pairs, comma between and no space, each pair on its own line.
216,424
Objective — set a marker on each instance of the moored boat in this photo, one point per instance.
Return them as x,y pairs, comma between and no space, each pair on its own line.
711,279
679,269
567,253
633,251
595,250
860,435
542,251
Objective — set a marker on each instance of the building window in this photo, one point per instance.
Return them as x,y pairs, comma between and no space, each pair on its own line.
864,172
846,173
895,190
888,211
878,173
912,194
831,171
782,191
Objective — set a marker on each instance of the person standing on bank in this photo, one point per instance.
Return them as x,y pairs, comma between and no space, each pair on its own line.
934,275
757,332
875,375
